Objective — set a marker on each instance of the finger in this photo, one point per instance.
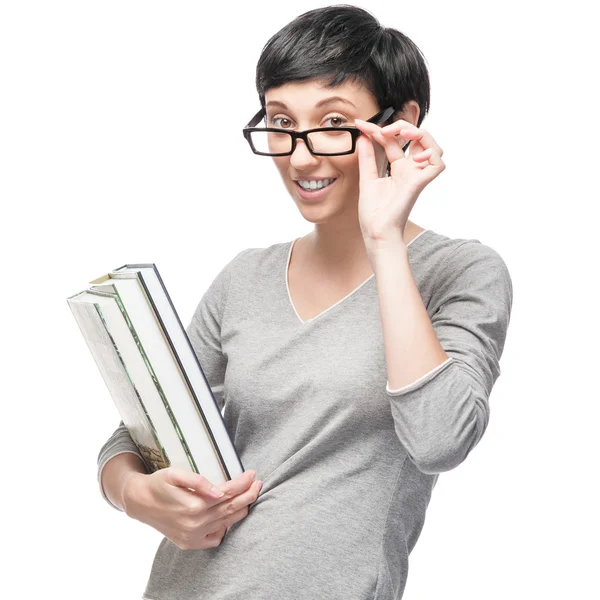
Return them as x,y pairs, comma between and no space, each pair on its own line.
231,490
404,144
200,485
412,132
217,533
188,480
429,158
422,136
394,130
244,499
422,156
367,165
236,486
393,146
395,127
224,510
236,516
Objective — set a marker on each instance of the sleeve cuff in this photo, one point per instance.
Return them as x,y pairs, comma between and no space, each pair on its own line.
419,382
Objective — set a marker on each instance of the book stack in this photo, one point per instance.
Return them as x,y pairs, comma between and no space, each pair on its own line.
153,374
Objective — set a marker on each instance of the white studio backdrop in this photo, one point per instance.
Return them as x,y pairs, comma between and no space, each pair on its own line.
120,141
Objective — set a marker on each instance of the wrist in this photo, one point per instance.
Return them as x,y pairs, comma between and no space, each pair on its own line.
129,489
390,243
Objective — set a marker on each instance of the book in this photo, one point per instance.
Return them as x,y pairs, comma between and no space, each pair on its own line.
152,372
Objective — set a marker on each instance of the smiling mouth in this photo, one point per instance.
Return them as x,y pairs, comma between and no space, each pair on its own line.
315,194
310,188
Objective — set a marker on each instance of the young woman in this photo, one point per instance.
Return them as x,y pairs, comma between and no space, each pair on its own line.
354,364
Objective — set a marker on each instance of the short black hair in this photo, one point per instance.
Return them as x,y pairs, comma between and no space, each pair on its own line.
346,43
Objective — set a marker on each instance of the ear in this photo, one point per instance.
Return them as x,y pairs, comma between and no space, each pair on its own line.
410,112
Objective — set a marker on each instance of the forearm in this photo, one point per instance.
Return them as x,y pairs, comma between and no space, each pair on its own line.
116,473
412,348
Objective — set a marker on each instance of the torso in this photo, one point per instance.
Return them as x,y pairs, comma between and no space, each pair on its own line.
312,293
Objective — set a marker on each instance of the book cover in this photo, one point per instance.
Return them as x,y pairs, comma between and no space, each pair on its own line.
129,403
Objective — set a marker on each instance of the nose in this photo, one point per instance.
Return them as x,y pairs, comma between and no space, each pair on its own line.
302,158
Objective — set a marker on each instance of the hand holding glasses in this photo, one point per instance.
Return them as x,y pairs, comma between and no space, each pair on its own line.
323,141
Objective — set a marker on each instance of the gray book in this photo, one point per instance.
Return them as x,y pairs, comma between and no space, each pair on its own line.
153,374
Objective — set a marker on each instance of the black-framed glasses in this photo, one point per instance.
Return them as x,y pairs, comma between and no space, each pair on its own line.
322,141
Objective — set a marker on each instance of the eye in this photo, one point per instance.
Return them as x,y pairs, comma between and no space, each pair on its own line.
272,122
340,121
336,121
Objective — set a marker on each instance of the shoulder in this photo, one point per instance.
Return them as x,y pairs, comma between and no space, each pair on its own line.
252,264
460,264
441,252
241,272
436,248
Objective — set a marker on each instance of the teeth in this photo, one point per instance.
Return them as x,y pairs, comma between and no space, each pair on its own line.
315,185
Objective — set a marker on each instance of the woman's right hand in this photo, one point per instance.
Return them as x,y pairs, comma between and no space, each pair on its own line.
193,519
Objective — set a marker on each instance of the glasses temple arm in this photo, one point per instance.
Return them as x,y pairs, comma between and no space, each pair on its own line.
257,118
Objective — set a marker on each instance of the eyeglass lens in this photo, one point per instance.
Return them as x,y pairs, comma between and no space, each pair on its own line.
321,141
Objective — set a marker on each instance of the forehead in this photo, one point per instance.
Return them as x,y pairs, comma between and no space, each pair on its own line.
303,96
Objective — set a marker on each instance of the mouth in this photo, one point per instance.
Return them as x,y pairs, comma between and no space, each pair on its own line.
315,194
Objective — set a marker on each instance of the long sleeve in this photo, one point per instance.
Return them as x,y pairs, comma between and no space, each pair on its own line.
204,332
442,416
119,442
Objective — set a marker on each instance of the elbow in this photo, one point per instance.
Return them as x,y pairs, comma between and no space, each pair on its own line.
439,460
444,458
455,436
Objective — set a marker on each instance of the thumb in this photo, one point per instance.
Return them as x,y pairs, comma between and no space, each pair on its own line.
191,481
367,165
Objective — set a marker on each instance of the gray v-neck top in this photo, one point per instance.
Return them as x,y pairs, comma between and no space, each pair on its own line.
348,465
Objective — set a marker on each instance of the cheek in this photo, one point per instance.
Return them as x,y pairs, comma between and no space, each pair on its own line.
347,166
282,164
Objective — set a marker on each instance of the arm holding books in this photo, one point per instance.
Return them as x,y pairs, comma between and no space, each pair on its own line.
178,503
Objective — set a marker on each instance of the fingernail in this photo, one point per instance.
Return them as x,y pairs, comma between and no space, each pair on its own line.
252,473
216,493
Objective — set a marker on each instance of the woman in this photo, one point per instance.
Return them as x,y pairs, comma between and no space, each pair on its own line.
354,364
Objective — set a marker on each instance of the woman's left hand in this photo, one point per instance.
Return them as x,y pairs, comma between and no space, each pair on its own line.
385,203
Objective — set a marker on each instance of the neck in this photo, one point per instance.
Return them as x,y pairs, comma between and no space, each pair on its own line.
331,247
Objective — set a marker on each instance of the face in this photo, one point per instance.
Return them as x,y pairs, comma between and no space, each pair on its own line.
293,106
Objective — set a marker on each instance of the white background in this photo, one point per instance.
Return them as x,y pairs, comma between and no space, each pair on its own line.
120,141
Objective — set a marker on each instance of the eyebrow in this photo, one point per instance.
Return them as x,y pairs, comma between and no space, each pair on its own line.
317,105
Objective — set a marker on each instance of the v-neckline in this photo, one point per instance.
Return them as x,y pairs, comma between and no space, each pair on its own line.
286,273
